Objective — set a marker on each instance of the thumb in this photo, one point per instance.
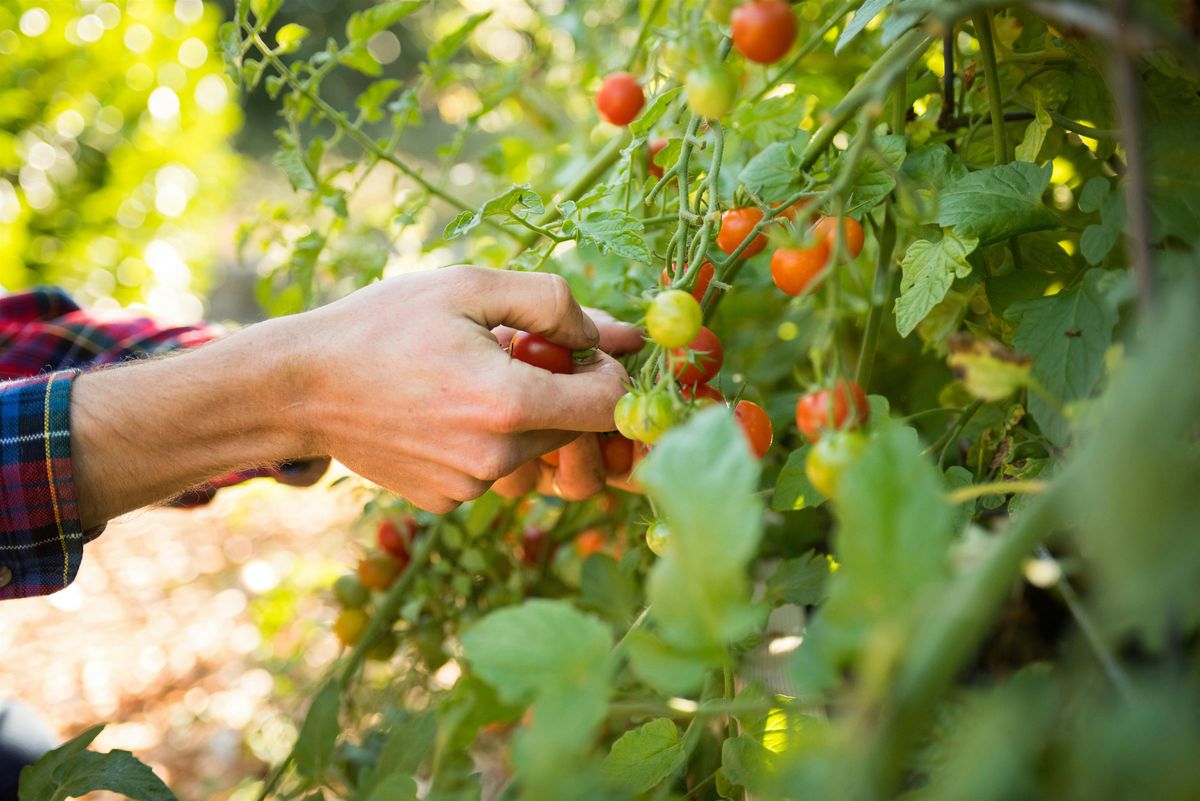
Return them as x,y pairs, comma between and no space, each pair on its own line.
537,302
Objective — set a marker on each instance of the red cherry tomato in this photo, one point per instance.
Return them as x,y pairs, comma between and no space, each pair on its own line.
736,225
393,541
707,356
653,150
704,277
701,394
798,210
755,425
535,349
617,453
848,410
763,30
378,572
852,233
620,98
536,545
794,269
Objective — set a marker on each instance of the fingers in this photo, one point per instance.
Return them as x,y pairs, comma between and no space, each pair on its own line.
522,481
538,302
582,401
580,472
616,337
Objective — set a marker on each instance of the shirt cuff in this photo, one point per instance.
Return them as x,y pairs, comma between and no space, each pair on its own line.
41,537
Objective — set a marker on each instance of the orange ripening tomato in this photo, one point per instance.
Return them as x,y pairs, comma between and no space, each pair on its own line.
378,572
590,541
755,425
851,231
847,410
794,269
736,225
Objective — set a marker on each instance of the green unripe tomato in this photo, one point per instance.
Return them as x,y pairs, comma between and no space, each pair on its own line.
644,418
675,60
383,648
350,592
830,457
657,536
674,318
623,415
711,91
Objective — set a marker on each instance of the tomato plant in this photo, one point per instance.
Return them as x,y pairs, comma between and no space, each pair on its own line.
395,542
992,384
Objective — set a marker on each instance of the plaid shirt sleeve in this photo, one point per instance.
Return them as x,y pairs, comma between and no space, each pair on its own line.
45,340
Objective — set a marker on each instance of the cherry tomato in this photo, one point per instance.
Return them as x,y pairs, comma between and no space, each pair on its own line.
620,98
653,150
551,458
535,349
349,626
701,394
795,270
736,225
755,425
763,30
384,648
704,277
673,318
644,418
815,412
829,457
797,211
590,541
657,536
536,545
707,356
378,572
852,231
710,91
393,542
617,453
350,592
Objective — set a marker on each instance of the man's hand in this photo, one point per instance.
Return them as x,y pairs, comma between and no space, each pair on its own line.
403,381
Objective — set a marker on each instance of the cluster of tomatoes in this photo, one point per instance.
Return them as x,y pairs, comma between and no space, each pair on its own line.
375,573
830,420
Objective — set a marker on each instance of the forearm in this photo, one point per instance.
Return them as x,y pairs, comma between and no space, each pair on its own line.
146,431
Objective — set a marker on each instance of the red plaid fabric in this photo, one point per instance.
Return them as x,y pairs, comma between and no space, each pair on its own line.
45,340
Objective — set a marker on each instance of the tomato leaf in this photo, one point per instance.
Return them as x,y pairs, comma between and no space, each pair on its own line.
801,581
362,25
611,231
314,746
445,48
998,203
654,112
606,589
1067,334
396,787
289,159
862,17
667,669
523,649
407,746
1035,135
929,268
874,174
793,490
772,173
642,758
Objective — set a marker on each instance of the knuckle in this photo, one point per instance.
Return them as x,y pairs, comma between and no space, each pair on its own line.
560,297
468,488
507,411
493,464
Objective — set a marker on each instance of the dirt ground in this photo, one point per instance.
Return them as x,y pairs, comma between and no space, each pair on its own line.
193,633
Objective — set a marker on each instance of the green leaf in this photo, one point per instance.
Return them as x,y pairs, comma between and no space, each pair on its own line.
667,669
444,49
996,204
654,112
642,758
265,11
314,746
929,268
793,491
698,592
1035,135
1067,335
772,173
362,25
71,770
289,159
862,17
928,170
407,746
606,589
616,232
523,649
359,57
801,581
371,101
874,174
518,201
748,763
774,119
396,787
290,37
1174,180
